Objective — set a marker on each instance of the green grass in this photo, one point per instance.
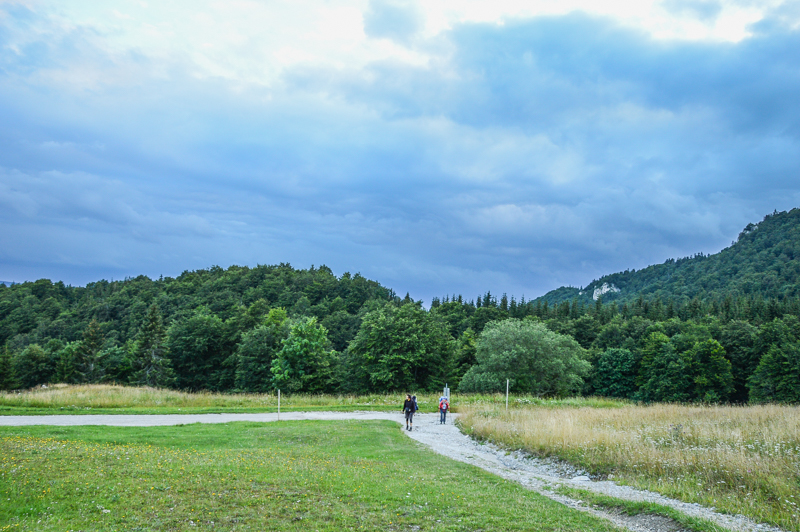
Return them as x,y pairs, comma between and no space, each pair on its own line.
640,507
300,475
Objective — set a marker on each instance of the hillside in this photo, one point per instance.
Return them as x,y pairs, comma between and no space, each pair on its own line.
35,312
762,262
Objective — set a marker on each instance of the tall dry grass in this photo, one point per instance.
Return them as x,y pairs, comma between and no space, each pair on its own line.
108,396
740,459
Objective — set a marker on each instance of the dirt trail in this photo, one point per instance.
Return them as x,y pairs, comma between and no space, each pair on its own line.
535,474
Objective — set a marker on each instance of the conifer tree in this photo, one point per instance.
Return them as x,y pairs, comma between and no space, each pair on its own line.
88,363
150,363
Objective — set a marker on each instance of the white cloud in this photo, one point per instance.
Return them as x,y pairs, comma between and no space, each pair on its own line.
255,42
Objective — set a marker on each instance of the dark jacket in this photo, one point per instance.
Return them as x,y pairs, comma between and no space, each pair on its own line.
408,404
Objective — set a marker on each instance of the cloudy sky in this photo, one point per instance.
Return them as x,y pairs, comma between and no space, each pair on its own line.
444,146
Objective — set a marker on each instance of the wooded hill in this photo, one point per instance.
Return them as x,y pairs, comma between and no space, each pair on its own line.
762,262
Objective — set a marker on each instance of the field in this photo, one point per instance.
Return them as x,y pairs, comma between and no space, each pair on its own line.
737,459
306,475
109,399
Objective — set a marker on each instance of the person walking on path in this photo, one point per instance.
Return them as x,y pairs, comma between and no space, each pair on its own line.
444,406
408,409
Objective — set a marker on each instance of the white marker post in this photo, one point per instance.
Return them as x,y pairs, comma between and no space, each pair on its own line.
506,394
279,405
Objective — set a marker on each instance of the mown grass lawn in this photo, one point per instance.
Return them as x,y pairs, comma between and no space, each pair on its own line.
298,475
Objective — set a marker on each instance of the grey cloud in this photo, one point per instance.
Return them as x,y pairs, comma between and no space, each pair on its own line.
538,153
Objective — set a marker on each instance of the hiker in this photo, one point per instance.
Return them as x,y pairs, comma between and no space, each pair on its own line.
444,406
408,409
414,399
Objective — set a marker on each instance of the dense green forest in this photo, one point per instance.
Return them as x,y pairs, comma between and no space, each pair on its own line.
704,329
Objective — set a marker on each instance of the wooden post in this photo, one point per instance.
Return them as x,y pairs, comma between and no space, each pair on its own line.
279,405
506,394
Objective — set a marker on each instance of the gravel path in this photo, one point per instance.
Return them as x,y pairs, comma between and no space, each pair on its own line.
533,473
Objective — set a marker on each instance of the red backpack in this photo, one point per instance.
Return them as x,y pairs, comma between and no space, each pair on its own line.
444,404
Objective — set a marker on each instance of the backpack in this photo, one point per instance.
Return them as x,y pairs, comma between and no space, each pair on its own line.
444,404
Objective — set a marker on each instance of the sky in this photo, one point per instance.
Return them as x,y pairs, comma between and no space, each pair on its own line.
438,147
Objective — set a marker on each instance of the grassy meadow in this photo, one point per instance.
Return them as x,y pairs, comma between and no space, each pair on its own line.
109,399
743,459
299,475
737,459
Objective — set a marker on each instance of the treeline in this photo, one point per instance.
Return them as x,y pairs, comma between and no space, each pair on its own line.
743,349
203,323
258,329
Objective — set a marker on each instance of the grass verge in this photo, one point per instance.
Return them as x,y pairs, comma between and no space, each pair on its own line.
639,507
302,475
743,460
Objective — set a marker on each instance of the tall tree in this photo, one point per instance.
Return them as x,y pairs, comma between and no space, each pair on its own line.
151,365
305,362
400,349
88,363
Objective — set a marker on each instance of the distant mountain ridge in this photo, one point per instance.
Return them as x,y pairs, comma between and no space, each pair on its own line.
764,261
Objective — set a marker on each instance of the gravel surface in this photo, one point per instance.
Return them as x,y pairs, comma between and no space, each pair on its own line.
533,473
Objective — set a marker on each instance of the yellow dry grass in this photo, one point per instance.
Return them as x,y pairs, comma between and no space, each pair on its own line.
111,396
742,459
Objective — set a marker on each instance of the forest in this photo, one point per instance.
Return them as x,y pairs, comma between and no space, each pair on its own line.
715,329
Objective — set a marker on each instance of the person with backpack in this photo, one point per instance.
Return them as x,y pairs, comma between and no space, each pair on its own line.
444,406
408,410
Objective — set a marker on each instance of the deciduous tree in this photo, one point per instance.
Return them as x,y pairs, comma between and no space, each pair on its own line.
534,359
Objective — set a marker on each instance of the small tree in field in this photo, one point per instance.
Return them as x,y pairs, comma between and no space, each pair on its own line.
534,359
305,362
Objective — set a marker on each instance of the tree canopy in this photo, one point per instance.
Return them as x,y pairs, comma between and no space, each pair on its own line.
533,358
